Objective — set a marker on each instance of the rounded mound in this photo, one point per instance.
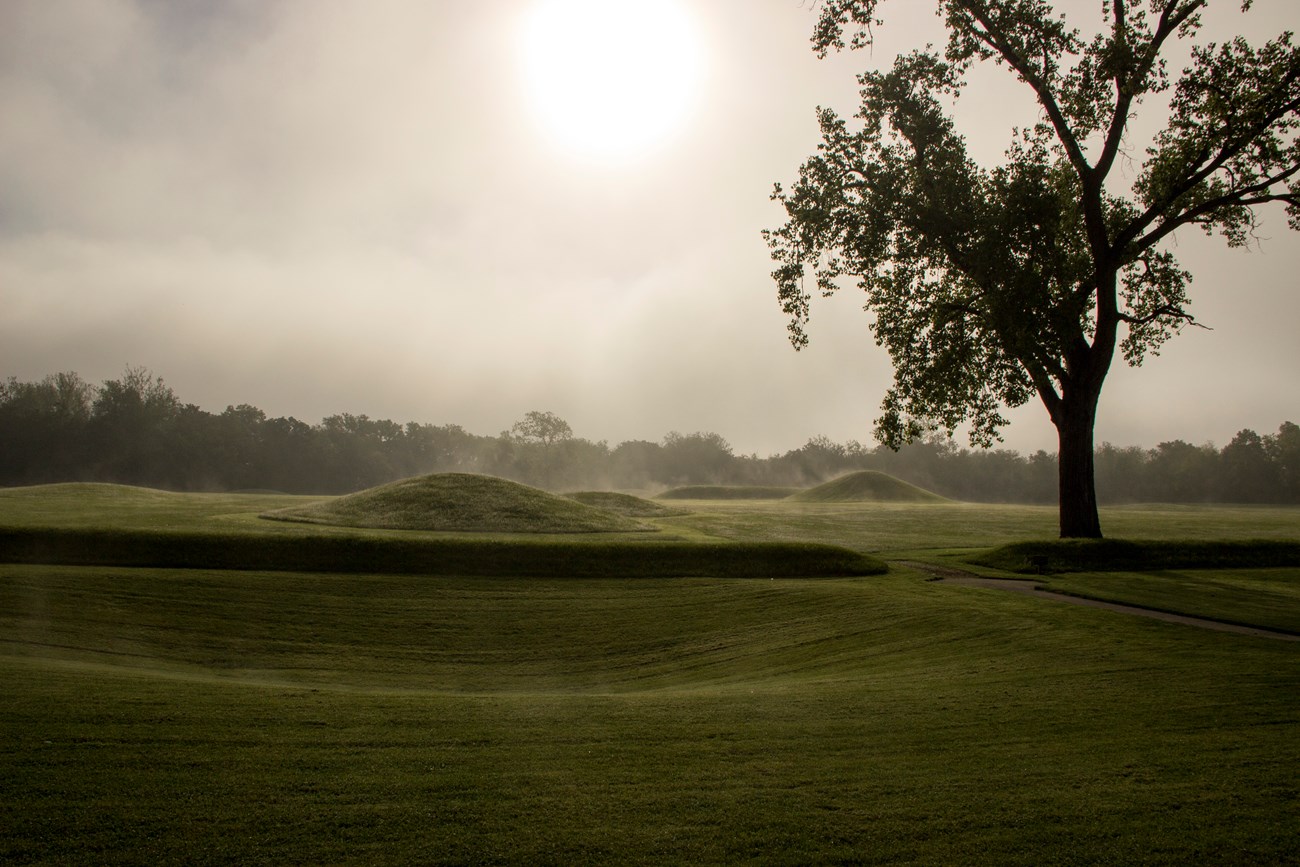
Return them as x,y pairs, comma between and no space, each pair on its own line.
867,486
459,502
623,504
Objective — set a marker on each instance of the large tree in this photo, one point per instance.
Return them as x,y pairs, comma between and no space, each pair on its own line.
990,285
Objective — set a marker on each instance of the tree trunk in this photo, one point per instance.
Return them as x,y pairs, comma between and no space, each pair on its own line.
1078,494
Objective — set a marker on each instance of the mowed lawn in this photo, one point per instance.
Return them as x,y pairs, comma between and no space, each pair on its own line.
156,716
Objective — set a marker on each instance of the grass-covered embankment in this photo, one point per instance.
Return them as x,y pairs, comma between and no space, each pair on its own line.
1246,582
424,555
1131,555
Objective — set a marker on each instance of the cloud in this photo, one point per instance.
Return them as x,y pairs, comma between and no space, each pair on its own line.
319,206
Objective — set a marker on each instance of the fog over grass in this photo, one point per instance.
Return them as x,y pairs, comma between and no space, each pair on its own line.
331,207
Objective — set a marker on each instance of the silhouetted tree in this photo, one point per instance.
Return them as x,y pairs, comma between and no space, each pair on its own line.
130,425
1121,473
43,428
991,286
1284,452
545,428
135,430
694,459
632,463
533,447
1246,475
1179,472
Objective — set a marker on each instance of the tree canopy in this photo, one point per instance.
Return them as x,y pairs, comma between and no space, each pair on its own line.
63,429
546,428
992,285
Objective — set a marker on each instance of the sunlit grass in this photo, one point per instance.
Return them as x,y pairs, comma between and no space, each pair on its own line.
212,716
208,717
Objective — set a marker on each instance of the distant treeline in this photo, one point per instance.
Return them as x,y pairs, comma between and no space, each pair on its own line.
136,430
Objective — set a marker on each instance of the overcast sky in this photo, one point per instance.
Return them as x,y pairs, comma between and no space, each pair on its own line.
393,208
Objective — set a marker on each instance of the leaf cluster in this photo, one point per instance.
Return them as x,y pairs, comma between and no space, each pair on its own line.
991,285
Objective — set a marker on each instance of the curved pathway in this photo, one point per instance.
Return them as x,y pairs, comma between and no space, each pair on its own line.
951,575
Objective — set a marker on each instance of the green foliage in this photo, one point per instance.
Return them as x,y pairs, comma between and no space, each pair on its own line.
545,428
50,434
866,486
992,285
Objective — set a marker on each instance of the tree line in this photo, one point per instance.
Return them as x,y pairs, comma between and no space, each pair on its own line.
136,430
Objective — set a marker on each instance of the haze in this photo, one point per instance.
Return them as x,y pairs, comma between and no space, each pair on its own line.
321,207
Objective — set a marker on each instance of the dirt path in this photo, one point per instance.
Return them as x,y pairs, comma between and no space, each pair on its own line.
951,575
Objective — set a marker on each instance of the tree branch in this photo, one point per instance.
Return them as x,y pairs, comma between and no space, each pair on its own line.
1164,310
1237,198
1124,90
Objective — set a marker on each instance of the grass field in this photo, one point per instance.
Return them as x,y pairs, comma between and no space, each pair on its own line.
220,717
866,486
1255,597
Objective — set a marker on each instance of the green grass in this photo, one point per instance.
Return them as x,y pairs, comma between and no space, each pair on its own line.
624,504
1254,597
867,486
1116,555
95,505
216,717
249,716
727,492
461,502
519,555
894,528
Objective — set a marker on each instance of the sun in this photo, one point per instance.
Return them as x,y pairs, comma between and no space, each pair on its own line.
609,80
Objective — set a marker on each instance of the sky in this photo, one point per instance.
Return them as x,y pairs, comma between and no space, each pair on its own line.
406,209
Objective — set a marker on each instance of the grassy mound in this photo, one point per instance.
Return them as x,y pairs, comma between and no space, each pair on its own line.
459,502
867,486
1118,555
727,492
623,504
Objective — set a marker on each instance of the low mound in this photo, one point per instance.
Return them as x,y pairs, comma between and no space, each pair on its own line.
726,492
867,486
459,502
91,493
623,504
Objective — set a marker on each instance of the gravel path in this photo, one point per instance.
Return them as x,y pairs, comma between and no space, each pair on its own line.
951,575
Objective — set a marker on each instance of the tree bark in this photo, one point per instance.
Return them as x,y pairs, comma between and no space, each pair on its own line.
1078,493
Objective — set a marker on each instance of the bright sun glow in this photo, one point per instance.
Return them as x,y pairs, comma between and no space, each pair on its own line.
610,80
